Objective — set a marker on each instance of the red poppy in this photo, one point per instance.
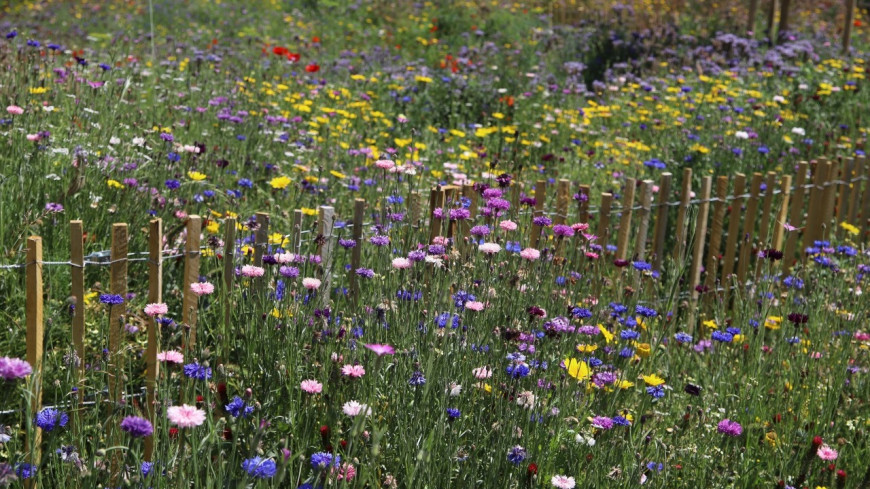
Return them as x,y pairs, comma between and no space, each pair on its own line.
280,51
294,57
315,39
312,68
857,23
533,469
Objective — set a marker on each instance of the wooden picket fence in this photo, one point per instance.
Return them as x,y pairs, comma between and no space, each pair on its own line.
821,195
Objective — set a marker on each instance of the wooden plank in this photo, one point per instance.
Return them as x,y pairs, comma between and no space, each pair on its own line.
813,230
35,319
261,239
190,300
604,218
661,227
359,207
766,210
844,192
749,220
782,216
785,7
327,219
118,286
563,196
436,201
583,204
848,20
716,231
643,214
698,249
77,291
515,190
625,220
750,17
865,211
829,197
540,197
414,203
464,238
735,216
451,196
155,295
795,218
682,226
296,237
771,16
855,191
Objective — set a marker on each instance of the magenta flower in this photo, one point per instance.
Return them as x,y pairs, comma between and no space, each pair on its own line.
14,368
730,428
380,349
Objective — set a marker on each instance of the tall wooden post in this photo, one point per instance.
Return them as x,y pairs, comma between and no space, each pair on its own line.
296,237
849,19
748,230
750,17
604,218
77,275
645,211
625,220
784,8
698,249
359,207
661,227
190,300
734,219
229,271
155,295
33,311
117,311
766,209
716,231
795,217
540,196
261,238
324,229
683,226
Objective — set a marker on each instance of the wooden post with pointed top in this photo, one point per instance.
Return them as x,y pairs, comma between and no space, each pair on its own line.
698,249
34,317
661,226
682,226
625,220
77,275
716,231
748,230
155,295
734,218
118,286
643,214
540,196
327,219
190,300
359,207
795,217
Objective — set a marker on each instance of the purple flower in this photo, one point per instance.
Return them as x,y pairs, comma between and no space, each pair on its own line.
542,221
730,428
365,272
137,427
53,207
379,240
111,299
49,418
481,230
602,422
346,243
563,231
14,368
381,349
459,214
417,255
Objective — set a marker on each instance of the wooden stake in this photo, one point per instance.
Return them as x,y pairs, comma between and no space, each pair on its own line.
155,295
734,218
698,249
855,191
771,17
847,25
783,15
795,217
229,272
190,300
766,209
865,211
661,227
436,201
540,196
716,231
35,334
604,218
296,238
117,311
813,229
563,196
782,217
829,197
625,220
643,214
324,229
261,238
77,273
359,208
682,226
843,194
583,204
414,203
750,18
748,230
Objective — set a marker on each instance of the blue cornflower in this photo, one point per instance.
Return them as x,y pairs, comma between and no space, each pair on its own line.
516,455
172,184
683,337
723,336
621,421
626,352
646,312
618,309
246,183
49,418
793,282
518,370
629,334
641,265
238,407
196,371
365,272
417,378
259,468
581,312
146,468
453,413
656,391
324,460
25,470
111,299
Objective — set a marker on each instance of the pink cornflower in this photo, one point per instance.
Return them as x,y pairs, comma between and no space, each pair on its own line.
156,309
311,386
202,288
563,482
439,240
354,408
14,110
580,226
185,416
530,254
171,356
355,371
474,305
385,164
14,368
33,137
283,258
252,271
730,428
346,472
401,263
489,248
827,453
310,283
380,349
508,225
482,372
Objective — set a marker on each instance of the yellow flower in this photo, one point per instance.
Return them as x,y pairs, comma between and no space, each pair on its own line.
280,182
115,184
337,174
583,348
422,79
608,336
196,176
624,384
643,349
276,239
577,369
773,322
309,212
849,228
90,296
38,90
213,227
770,438
711,324
402,142
653,380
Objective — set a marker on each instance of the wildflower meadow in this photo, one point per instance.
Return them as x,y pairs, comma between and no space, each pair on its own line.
437,244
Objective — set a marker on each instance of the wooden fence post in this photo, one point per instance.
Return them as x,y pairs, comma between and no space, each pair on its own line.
682,226
324,229
865,212
734,218
155,295
645,211
813,229
750,18
77,275
414,208
117,311
563,191
359,207
855,191
229,271
436,201
698,249
843,194
771,18
661,227
261,239
847,25
604,218
35,335
540,196
716,230
296,237
766,209
583,204
189,302
795,217
748,230
782,216
829,197
625,220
